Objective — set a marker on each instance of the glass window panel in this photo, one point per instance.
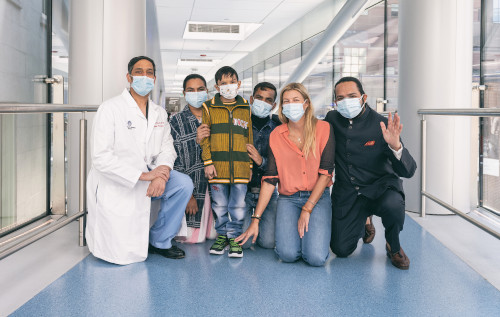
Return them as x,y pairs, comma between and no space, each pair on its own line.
272,70
289,59
308,44
258,72
319,82
247,84
23,137
392,68
362,51
491,126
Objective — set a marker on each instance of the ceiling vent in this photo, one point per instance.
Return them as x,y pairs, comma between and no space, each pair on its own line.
219,31
213,28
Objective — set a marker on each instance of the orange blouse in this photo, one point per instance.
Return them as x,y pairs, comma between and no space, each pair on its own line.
287,165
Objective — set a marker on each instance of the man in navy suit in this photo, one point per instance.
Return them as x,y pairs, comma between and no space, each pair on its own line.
369,161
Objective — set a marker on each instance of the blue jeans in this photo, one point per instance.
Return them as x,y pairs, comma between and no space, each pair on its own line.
267,224
229,199
174,199
314,247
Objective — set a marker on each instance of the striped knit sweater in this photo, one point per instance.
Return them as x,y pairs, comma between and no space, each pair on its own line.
230,131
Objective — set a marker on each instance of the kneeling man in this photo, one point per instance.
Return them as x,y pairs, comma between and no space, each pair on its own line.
132,159
369,161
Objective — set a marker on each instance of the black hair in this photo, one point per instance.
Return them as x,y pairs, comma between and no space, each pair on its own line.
225,71
265,85
350,79
193,76
134,60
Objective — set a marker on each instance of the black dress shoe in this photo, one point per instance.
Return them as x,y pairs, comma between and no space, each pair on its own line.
173,253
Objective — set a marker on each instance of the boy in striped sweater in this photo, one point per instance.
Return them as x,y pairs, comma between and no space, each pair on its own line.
227,164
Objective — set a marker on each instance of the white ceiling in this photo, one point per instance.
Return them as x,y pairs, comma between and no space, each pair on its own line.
274,15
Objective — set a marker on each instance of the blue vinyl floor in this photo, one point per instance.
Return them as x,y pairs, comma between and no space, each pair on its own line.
437,284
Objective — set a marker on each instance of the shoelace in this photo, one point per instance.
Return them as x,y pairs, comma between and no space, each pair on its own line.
233,244
220,241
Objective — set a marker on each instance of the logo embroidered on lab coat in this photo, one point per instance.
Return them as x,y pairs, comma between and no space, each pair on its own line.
370,143
153,160
159,124
129,125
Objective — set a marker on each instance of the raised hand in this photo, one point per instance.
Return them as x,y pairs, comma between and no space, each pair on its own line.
392,132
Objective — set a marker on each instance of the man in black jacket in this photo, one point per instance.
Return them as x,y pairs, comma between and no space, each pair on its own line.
369,161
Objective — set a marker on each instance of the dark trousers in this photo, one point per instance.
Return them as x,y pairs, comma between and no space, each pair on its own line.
349,228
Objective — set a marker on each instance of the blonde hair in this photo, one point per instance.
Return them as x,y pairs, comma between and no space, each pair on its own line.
310,119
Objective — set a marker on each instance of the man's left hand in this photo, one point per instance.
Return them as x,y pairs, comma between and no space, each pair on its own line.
392,131
156,187
254,154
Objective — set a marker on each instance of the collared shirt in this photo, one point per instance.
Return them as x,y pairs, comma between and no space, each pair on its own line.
288,166
261,143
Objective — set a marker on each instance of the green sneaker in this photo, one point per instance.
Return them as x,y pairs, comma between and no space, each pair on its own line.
220,245
235,250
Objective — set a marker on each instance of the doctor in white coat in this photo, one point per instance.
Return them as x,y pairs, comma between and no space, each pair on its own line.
132,161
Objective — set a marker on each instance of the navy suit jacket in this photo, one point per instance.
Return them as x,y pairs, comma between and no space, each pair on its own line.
364,163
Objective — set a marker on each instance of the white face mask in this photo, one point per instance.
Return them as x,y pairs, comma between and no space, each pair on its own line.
229,91
196,98
294,111
350,107
261,108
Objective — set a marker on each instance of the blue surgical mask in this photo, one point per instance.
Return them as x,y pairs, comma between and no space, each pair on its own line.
142,85
350,107
293,111
196,98
261,108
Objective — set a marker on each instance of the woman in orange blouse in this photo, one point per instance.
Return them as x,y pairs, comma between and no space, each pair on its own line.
301,162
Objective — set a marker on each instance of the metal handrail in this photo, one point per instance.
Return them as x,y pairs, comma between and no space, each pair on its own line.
13,108
476,112
44,108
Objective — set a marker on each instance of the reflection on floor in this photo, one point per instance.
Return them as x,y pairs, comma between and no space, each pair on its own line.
438,283
478,249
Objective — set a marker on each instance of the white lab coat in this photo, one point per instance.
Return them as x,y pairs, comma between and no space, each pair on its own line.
124,144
